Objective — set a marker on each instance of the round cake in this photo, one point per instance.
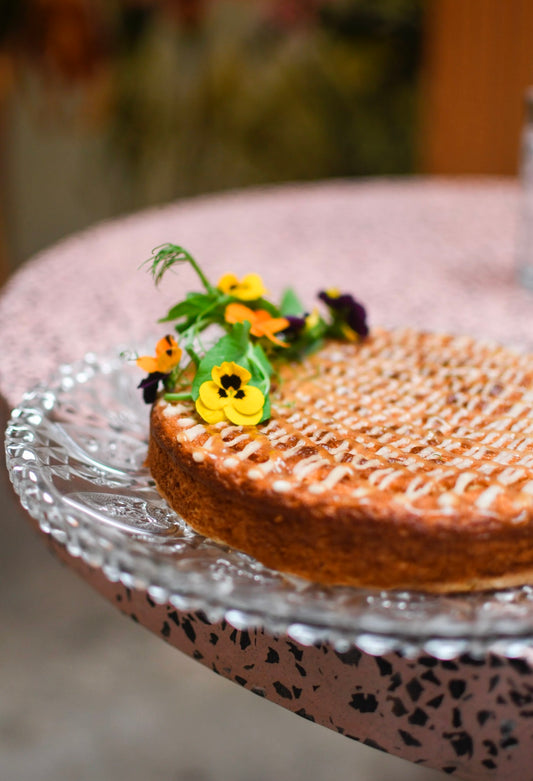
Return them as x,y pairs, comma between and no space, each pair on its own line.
401,462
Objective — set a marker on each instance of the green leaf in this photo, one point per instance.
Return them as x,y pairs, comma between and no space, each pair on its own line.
240,336
195,305
266,410
290,303
231,347
262,368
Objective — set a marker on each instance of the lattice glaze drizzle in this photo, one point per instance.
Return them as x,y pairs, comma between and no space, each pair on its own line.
440,426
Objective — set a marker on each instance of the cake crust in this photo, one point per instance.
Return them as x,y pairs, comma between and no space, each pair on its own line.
402,462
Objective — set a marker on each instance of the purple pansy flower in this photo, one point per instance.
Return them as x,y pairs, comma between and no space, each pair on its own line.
296,325
345,308
150,385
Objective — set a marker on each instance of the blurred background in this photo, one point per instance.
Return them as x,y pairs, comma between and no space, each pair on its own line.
109,106
114,105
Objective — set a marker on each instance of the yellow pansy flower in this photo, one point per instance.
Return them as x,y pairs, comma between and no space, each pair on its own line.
167,356
228,396
262,322
249,288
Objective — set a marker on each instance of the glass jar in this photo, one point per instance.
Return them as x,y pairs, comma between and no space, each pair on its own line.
525,236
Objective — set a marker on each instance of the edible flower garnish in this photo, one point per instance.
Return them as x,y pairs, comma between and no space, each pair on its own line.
249,288
159,368
228,378
167,355
262,323
229,396
349,316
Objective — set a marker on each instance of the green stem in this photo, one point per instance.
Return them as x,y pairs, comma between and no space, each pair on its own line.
203,279
178,396
167,255
195,358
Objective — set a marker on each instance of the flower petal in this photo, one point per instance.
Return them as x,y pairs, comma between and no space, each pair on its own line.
165,363
227,283
251,287
234,416
347,309
312,319
210,397
276,324
276,340
150,385
168,353
252,402
349,334
228,369
166,343
167,356
238,313
262,322
147,363
209,415
269,327
261,315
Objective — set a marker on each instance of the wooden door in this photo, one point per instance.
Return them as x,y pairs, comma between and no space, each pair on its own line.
478,61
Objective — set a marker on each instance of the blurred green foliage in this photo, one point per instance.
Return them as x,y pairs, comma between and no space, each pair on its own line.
241,98
112,105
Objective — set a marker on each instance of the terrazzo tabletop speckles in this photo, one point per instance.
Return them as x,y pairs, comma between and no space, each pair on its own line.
431,254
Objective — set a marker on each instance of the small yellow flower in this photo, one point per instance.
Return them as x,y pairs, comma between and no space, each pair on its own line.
249,288
228,395
262,322
167,356
349,334
312,319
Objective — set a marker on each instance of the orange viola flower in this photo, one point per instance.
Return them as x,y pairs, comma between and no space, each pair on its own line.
167,356
262,322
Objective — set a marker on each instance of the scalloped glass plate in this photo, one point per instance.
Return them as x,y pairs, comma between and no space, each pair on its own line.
75,449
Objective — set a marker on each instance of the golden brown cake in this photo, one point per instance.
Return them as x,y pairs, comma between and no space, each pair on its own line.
404,461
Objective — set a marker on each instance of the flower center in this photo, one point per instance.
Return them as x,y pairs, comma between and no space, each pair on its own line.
231,386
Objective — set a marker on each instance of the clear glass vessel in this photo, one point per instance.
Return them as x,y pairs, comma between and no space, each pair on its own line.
525,227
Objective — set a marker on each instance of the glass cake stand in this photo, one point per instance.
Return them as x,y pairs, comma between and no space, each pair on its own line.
75,449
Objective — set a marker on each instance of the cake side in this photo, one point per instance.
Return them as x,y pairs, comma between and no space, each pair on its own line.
338,548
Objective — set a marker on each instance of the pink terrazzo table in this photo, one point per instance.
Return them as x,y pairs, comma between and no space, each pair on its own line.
432,254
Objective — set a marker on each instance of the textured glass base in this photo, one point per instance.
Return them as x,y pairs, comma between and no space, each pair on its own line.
75,451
